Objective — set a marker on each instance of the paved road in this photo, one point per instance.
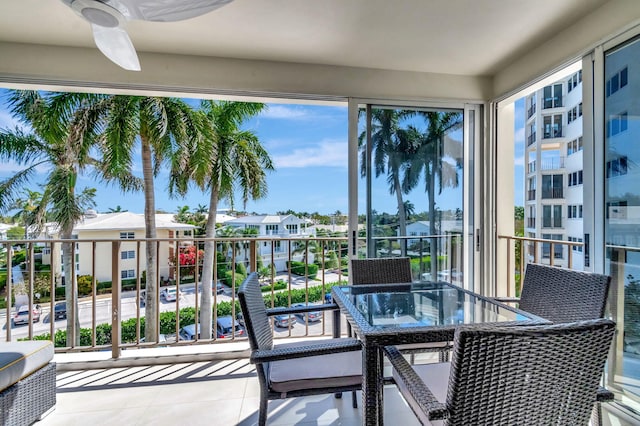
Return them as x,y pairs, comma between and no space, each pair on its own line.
129,310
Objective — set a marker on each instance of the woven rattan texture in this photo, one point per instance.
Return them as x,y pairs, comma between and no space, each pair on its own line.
261,342
24,402
528,375
564,295
381,271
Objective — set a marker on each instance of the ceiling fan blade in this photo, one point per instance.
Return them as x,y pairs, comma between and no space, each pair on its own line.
168,10
116,45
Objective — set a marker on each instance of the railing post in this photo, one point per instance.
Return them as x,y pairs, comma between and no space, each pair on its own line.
253,256
9,289
115,299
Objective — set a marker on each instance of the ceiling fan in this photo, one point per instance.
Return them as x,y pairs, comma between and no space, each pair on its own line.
108,19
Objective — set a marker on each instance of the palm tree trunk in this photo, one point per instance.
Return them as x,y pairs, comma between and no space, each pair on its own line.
206,311
73,319
433,243
402,216
151,284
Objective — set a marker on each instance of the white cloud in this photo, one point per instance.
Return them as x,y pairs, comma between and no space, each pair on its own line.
285,112
518,135
327,153
8,122
518,161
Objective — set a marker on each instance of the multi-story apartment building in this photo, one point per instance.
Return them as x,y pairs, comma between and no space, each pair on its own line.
278,228
554,173
124,226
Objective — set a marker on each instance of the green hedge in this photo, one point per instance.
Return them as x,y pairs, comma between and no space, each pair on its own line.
300,268
168,319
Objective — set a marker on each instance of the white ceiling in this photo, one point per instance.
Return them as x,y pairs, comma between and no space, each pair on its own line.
467,37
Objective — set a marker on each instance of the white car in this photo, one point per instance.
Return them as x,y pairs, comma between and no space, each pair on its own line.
170,294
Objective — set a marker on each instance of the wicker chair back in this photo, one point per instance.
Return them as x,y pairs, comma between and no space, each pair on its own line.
564,295
381,271
528,375
254,314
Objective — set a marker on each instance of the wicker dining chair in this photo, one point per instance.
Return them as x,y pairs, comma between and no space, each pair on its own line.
538,375
393,270
300,368
563,295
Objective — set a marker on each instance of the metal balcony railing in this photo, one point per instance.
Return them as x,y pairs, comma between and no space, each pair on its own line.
531,139
552,193
99,315
531,167
107,309
531,111
553,163
534,250
531,195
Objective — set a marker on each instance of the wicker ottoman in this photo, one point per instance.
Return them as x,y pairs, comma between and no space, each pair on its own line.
27,381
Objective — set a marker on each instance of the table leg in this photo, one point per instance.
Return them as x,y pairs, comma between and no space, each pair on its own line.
336,323
372,397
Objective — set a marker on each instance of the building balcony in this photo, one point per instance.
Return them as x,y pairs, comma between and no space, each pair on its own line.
552,193
531,110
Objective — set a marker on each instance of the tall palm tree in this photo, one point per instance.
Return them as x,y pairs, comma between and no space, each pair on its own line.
391,146
168,131
233,160
30,211
427,161
56,141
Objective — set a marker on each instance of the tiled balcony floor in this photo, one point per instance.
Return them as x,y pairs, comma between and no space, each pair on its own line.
207,393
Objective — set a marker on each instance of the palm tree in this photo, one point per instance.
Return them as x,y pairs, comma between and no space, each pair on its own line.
232,160
168,131
117,209
391,147
30,211
427,162
56,141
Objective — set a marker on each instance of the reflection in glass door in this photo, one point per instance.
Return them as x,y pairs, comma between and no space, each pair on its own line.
411,188
622,213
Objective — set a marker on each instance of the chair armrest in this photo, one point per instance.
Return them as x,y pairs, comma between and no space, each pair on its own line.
604,395
430,406
507,299
331,346
300,309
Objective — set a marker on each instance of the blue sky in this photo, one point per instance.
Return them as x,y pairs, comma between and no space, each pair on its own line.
519,150
308,145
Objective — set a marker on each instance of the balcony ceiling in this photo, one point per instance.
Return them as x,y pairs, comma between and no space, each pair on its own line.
465,37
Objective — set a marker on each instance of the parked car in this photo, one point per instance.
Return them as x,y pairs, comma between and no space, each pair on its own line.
312,316
60,310
219,288
21,315
225,327
170,294
284,320
328,298
188,332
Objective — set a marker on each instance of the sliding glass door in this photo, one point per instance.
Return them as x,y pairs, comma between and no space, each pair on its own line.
414,188
621,170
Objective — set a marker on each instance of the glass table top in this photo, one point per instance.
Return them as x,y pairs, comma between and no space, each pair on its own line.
425,304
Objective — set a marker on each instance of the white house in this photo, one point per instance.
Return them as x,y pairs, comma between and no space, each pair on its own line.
284,232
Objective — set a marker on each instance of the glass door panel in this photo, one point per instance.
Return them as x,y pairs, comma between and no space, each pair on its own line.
411,188
622,213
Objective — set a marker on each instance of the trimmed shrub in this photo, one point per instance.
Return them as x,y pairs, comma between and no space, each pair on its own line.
300,268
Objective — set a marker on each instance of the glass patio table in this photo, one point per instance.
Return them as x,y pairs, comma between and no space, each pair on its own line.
395,314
